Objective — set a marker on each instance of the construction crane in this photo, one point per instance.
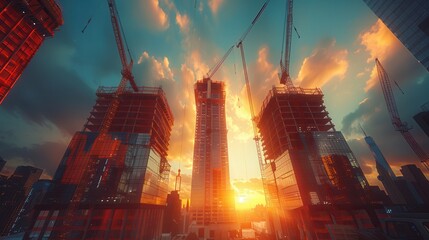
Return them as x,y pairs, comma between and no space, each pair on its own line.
216,67
284,63
239,44
398,124
102,138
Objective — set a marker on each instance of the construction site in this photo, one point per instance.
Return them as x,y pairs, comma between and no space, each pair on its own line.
114,178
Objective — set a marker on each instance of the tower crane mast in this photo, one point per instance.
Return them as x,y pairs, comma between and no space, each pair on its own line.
397,123
285,73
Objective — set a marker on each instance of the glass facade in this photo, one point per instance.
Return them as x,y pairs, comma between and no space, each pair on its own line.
112,186
23,27
409,21
212,199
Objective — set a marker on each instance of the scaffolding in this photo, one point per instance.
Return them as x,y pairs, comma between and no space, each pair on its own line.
145,111
287,112
23,27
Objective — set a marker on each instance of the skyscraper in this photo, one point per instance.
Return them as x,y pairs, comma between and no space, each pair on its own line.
416,177
24,24
13,193
36,195
422,118
125,193
385,173
312,168
212,199
409,22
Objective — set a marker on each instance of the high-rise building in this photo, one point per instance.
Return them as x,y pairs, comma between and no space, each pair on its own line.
422,118
13,193
311,168
414,175
385,173
409,22
24,25
125,194
36,195
212,198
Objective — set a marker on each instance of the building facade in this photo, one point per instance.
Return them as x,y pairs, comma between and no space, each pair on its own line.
25,216
13,193
24,25
385,173
212,198
409,22
422,119
127,183
313,181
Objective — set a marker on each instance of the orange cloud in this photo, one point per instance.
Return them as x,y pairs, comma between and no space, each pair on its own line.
160,68
324,64
380,43
153,15
183,22
214,5
263,76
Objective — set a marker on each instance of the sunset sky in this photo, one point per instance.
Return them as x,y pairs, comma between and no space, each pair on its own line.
175,43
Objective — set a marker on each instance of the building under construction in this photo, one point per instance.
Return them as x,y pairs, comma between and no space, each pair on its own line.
212,198
124,193
313,182
24,24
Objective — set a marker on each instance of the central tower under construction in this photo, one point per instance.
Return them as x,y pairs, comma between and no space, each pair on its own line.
212,199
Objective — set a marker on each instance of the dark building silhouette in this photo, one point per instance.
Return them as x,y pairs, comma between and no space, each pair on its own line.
415,176
312,179
385,173
422,118
408,20
172,215
13,192
26,214
24,25
125,192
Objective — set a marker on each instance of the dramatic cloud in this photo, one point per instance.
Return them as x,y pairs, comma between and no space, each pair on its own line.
49,92
325,63
372,113
154,16
46,155
183,22
214,5
380,43
264,75
156,69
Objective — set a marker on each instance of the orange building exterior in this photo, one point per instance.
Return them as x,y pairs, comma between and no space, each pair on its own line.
24,24
315,187
125,192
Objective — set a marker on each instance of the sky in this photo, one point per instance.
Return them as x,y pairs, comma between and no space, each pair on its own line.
175,43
